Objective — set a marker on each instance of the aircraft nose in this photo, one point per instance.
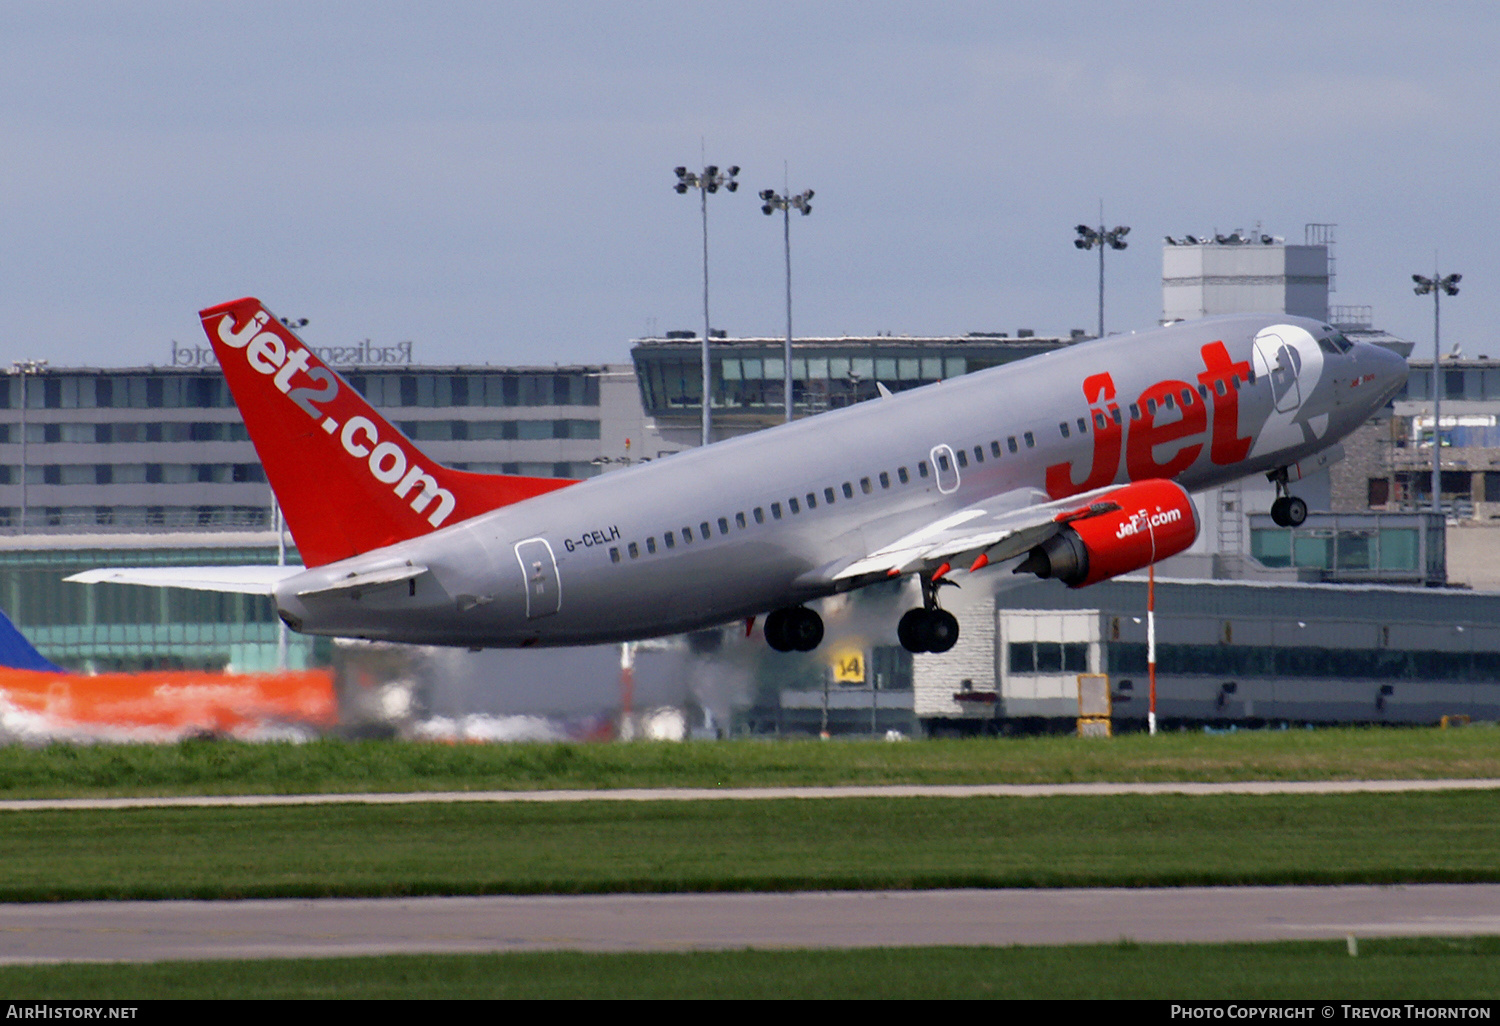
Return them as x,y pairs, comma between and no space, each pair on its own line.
1390,370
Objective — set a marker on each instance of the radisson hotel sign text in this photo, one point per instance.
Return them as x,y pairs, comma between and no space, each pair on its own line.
361,354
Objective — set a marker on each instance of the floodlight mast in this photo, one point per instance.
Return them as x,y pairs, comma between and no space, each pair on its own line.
710,179
774,201
1111,238
1437,285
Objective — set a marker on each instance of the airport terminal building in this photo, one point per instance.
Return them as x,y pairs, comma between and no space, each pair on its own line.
152,466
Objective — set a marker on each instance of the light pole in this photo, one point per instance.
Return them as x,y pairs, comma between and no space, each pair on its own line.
1437,285
1113,238
707,181
26,369
774,202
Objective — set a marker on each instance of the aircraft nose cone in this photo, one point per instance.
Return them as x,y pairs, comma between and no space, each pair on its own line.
1391,370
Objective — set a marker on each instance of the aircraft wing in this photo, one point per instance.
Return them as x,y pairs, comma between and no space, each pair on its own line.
1000,528
244,580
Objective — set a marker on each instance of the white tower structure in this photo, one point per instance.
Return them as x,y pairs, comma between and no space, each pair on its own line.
1240,273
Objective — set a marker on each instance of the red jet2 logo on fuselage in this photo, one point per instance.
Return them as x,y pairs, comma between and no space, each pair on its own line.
1138,442
387,461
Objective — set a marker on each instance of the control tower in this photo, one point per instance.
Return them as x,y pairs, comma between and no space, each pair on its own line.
1246,273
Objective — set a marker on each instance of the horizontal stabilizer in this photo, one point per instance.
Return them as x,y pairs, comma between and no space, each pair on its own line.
242,580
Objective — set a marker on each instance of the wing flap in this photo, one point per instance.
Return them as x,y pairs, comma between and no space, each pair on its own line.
1001,528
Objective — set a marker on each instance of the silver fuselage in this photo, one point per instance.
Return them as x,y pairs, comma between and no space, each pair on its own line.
593,563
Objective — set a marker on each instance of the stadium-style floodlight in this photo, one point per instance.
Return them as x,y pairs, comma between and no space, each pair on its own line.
710,179
26,369
1437,285
1103,238
774,201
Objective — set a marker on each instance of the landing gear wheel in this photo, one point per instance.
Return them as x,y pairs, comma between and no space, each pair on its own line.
1289,511
942,630
927,630
796,628
910,630
804,629
776,632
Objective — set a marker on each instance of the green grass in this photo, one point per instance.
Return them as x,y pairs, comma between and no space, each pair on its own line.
1457,969
789,844
226,767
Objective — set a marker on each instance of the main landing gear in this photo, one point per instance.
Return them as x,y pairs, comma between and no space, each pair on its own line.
1287,510
794,629
928,629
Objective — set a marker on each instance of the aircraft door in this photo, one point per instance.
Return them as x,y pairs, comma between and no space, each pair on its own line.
1281,364
945,466
539,568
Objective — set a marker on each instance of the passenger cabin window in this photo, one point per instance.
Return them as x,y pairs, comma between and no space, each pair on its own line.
828,495
848,490
1135,414
865,486
922,468
1115,413
687,534
962,458
739,520
793,506
614,555
1101,423
670,539
812,500
759,514
1169,401
902,475
978,454
1062,429
1151,406
704,532
1219,387
723,525
1030,440
995,449
633,550
885,479
775,511
1010,443
651,545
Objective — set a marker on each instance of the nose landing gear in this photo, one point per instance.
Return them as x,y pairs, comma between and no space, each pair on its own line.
928,629
794,629
1287,510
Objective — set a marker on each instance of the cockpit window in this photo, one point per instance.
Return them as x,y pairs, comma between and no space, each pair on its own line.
1334,342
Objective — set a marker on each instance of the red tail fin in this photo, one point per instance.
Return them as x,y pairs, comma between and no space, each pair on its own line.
346,479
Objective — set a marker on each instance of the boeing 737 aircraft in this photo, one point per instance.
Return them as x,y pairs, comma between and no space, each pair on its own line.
1077,464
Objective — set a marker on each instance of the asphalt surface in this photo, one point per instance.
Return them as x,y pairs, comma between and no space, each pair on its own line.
168,930
692,794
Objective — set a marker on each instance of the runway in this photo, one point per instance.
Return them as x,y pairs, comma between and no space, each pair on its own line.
686,794
176,930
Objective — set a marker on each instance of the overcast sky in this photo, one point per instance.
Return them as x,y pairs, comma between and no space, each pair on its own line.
493,181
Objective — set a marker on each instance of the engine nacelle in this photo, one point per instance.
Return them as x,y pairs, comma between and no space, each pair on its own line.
1142,523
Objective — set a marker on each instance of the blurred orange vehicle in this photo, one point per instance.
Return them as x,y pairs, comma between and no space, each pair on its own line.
42,701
